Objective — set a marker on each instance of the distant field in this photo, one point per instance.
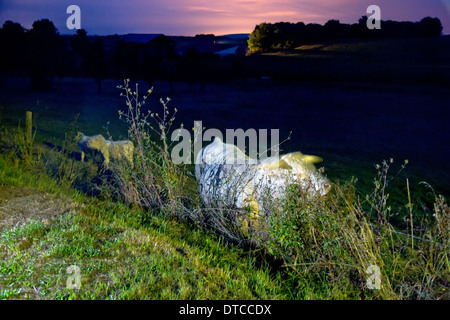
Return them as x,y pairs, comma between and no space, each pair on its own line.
407,61
404,47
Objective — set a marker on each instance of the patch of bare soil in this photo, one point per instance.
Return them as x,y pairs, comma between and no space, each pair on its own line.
19,206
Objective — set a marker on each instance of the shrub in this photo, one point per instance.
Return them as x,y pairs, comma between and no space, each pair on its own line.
338,241
20,142
155,182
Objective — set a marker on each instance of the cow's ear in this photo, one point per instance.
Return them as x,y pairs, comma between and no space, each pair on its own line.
279,164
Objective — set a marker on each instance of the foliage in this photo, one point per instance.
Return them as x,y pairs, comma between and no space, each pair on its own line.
43,54
22,146
12,37
336,240
283,35
263,37
20,143
45,51
154,181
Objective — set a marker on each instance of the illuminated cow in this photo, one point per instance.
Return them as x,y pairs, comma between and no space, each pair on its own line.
226,176
107,148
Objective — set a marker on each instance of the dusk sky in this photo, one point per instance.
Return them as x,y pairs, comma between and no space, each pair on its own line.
191,17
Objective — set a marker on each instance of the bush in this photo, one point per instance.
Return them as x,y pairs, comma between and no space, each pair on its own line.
20,142
155,182
336,241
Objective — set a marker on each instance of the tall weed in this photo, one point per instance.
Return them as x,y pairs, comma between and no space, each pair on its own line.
154,182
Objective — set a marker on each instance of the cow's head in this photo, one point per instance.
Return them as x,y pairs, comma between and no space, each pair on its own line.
300,168
78,136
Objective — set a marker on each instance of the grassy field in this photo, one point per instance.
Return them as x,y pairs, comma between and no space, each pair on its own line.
122,253
410,61
56,211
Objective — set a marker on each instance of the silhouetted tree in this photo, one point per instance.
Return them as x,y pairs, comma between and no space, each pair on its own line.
159,55
127,59
332,30
81,47
430,27
283,35
43,50
205,36
96,63
299,34
314,33
12,42
362,31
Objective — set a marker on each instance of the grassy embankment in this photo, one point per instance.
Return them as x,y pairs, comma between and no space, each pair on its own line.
123,252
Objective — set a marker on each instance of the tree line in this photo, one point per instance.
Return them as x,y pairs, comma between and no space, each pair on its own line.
287,36
43,55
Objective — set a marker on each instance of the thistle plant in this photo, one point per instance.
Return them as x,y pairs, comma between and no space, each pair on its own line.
155,181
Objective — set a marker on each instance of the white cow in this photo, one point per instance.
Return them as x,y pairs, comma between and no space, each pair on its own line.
226,176
107,148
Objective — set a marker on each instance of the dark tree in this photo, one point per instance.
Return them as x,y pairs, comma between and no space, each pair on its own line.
159,57
283,35
12,42
81,47
332,30
430,27
96,63
127,59
44,48
205,36
314,33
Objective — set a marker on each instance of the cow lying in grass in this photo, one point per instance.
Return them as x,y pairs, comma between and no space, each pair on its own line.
226,176
108,149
